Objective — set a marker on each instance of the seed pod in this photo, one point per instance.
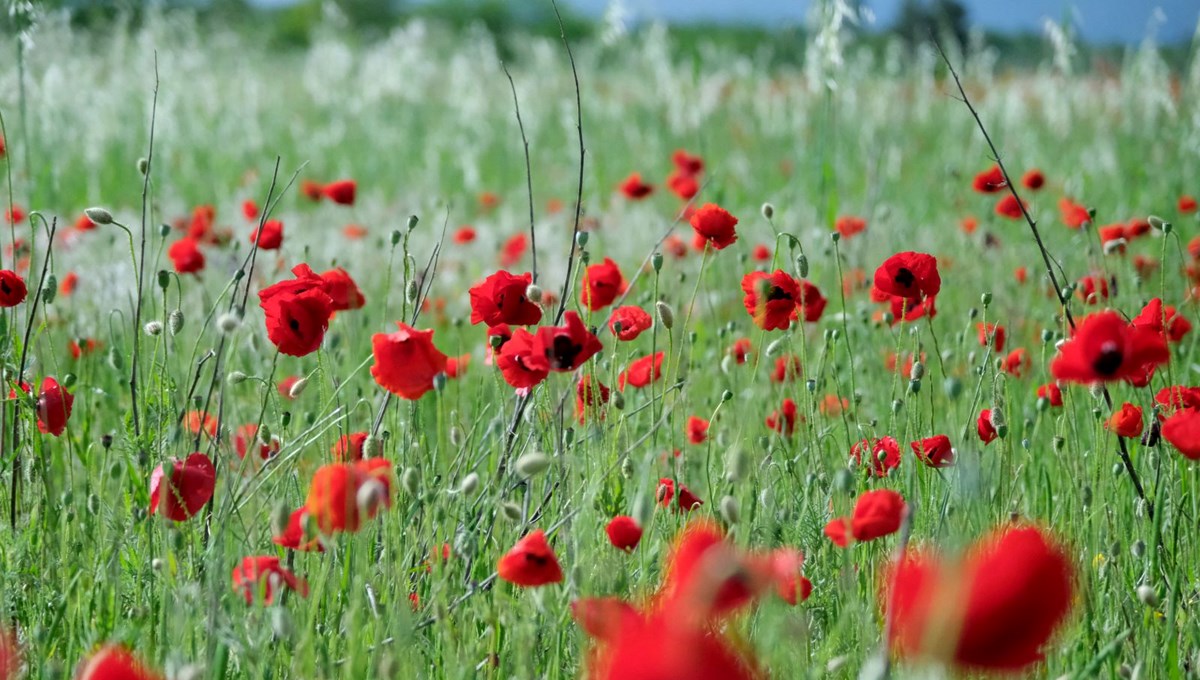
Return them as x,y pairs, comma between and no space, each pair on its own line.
175,322
666,315
395,237
532,464
98,215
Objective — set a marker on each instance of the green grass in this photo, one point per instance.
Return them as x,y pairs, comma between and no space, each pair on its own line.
423,120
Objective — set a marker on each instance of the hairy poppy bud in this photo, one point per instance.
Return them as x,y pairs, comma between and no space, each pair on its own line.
228,322
802,265
581,239
534,293
164,279
412,222
1138,549
410,480
99,215
511,511
897,405
175,321
835,236
373,446
666,315
1147,596
986,299
370,495
532,464
917,372
115,361
153,328
736,466
1157,222
143,166
656,261
156,564
727,364
469,484
914,386
235,378
729,510
410,291
297,388
768,210
773,348
618,401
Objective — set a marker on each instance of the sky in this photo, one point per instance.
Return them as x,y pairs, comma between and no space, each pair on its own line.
1124,21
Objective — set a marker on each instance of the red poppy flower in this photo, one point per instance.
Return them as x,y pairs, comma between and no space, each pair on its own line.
406,361
687,501
3,148
312,190
990,181
909,275
200,228
341,494
783,419
1009,207
196,422
590,396
770,298
1016,362
563,348
464,235
285,386
624,533
787,368
1177,397
683,185
1051,393
696,429
686,163
740,350
934,451
114,662
341,192
876,514
530,563
457,366
760,253
354,232
968,224
1182,430
296,321
641,372
810,305
513,250
12,289
67,287
272,235
185,256
1093,289
1187,204
349,447
1105,348
342,290
488,200
293,536
14,215
715,225
883,454
263,574
849,225
1126,421
635,189
501,299
991,333
54,404
1033,179
250,210
995,612
1074,215
246,436
983,425
836,531
517,363
1162,320
188,488
602,284
1112,233
628,322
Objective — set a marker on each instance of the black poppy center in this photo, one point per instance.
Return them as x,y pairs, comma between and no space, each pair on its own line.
293,324
563,352
777,293
905,277
539,560
1109,360
4,287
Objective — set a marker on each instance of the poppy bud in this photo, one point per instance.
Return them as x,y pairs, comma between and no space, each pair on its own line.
153,328
1147,596
439,382
175,322
99,215
532,464
627,468
164,230
228,322
370,495
412,222
1138,549
581,239
534,293
656,261
1157,222
618,401
456,436
897,405
1086,494
235,378
737,466
914,386
802,265
297,388
410,480
568,436
395,237
469,485
585,257
726,396
773,348
115,361
511,511
887,318
727,364
156,564
835,236
666,315
280,518
729,510
917,372
68,380
410,291
768,210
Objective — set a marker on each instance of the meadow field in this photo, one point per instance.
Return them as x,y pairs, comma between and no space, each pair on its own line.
312,372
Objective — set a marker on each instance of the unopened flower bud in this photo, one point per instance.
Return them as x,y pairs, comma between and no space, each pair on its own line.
1157,222
666,315
412,222
534,293
656,261
581,239
235,378
469,484
835,236
228,322
729,510
510,511
410,291
532,464
1147,596
986,299
768,210
774,347
736,466
370,495
917,372
153,328
372,446
115,360
281,516
175,322
297,388
410,481
802,265
98,215
618,401
1138,549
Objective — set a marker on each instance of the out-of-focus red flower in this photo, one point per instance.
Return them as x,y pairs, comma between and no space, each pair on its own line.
686,501
1052,393
1104,348
602,284
186,490
883,455
715,225
1016,362
246,436
249,210
590,396
464,234
935,451
263,574
12,289
696,429
513,250
1074,215
783,420
186,256
1008,206
114,662
849,225
991,334
770,299
990,181
983,425
530,563
623,532
1182,430
54,404
1033,179
342,191
634,188
271,237
342,290
311,190
1187,204
641,372
1126,421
